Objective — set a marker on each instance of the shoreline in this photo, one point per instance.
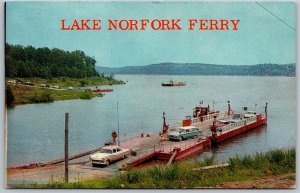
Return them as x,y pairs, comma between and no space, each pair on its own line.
234,174
37,90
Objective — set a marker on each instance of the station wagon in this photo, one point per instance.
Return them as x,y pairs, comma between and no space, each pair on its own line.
184,133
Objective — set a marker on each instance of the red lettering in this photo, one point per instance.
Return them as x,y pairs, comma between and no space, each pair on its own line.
175,24
75,25
165,24
133,23
203,24
213,24
192,23
63,25
112,24
84,24
96,24
158,24
224,24
126,24
144,23
235,23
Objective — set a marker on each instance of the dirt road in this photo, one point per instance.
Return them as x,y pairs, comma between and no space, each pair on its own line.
274,182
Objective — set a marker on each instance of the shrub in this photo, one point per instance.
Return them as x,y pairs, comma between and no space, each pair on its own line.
83,82
86,94
209,161
276,156
234,163
42,97
132,176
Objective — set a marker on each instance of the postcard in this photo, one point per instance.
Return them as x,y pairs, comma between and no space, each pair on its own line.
150,95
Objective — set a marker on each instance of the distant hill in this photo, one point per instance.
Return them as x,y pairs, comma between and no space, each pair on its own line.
204,69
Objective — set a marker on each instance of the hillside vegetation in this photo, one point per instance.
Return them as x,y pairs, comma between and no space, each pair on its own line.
204,69
47,63
37,75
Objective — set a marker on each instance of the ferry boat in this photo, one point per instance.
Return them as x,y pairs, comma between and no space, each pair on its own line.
238,124
224,125
173,83
213,127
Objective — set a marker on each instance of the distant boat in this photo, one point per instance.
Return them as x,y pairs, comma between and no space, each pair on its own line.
103,90
173,83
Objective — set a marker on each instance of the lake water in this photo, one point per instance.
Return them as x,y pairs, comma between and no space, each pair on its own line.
36,131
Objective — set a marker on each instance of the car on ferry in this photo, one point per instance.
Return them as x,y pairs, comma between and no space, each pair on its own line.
109,154
222,122
249,114
219,124
237,117
183,133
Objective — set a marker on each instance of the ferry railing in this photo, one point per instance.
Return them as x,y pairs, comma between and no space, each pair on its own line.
185,144
165,148
209,117
143,153
241,123
196,120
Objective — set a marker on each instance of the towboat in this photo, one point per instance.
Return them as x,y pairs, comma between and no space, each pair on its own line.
173,83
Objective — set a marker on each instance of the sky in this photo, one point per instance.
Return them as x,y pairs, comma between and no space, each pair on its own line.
261,38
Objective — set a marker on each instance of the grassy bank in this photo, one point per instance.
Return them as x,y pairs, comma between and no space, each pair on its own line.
189,175
24,94
29,94
73,82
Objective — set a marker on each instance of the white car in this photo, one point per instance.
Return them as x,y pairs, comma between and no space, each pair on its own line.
237,117
109,154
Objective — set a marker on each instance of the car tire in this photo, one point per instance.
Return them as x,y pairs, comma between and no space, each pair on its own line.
181,138
107,162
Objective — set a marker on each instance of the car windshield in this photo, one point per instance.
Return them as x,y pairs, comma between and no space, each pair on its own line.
106,151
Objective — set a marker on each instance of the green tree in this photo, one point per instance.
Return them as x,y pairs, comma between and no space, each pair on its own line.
45,63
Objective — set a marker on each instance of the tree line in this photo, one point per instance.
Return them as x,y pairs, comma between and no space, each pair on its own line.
205,69
26,62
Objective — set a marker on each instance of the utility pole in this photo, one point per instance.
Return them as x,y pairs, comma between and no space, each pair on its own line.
66,147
